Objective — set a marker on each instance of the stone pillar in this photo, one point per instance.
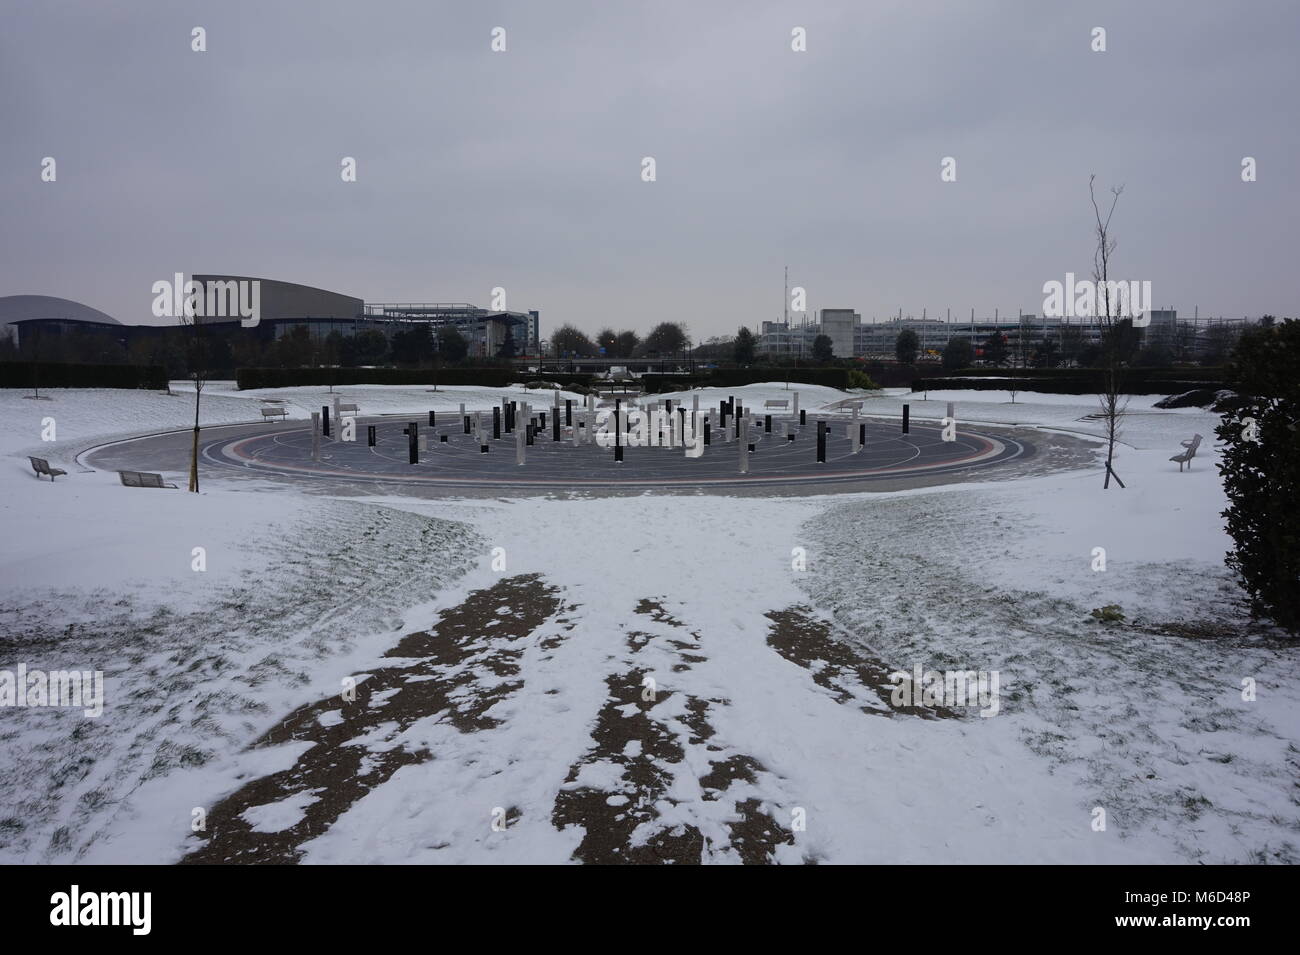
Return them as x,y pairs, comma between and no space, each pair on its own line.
618,431
742,445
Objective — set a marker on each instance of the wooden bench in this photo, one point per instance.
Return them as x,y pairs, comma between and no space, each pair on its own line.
777,403
347,410
142,479
1190,452
41,466
275,413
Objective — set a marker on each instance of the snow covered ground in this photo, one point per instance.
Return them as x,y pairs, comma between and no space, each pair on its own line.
643,679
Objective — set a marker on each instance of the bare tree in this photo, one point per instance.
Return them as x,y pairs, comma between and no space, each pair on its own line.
198,359
1018,361
1113,403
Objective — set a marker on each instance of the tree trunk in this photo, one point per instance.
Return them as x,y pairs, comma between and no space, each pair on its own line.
194,451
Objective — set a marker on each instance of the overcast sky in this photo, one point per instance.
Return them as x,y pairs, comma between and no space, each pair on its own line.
522,169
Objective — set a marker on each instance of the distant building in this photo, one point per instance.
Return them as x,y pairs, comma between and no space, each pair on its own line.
839,324
283,307
851,337
58,313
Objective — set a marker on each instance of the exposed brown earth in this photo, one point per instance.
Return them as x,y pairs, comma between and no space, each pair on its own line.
471,646
621,826
801,638
642,760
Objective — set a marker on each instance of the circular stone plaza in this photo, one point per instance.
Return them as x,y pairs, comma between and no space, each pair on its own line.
657,444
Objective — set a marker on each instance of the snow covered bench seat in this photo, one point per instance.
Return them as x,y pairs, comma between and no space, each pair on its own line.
274,413
141,479
1189,452
41,466
777,403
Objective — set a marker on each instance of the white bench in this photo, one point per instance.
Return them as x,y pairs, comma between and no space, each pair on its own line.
1190,452
41,466
142,479
275,413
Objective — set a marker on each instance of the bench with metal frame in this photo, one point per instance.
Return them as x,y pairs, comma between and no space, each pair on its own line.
41,466
142,479
1185,457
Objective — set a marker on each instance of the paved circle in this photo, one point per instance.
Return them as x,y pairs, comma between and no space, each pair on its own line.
459,463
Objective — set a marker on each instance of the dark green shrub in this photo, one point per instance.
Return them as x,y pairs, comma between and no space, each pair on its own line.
26,374
1261,469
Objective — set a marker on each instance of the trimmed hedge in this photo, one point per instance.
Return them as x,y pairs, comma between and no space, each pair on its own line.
892,374
1208,374
27,374
1080,382
488,377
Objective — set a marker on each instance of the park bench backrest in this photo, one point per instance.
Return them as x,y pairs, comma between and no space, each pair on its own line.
1188,452
778,403
41,466
141,479
269,412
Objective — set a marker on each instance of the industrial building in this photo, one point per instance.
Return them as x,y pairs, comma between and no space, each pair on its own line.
852,338
283,307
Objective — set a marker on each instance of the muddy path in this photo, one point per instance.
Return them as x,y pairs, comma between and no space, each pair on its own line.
654,781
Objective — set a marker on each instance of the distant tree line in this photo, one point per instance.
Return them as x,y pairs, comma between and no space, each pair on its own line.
422,345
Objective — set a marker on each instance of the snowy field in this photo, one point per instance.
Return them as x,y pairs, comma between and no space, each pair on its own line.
635,679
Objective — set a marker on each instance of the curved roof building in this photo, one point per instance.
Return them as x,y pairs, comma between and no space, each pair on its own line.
15,308
291,300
